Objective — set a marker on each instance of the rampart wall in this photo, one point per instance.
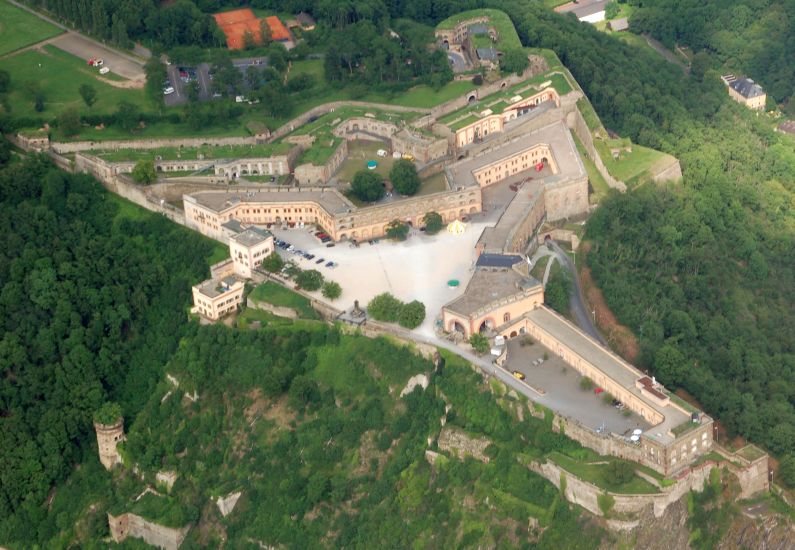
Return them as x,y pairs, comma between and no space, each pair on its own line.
131,525
112,145
311,174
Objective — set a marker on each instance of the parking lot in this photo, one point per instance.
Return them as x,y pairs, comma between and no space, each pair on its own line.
180,77
119,63
561,384
416,269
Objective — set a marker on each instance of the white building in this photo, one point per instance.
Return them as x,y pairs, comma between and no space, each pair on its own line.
249,248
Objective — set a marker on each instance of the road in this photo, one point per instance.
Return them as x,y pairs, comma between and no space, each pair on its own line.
582,314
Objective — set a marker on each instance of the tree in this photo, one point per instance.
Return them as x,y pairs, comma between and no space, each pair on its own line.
669,364
69,122
433,223
404,177
620,472
397,230
265,32
127,115
109,413
5,81
155,79
385,307
786,471
412,314
332,290
513,61
273,263
611,10
310,279
144,172
34,90
193,91
88,93
479,343
249,42
367,186
556,291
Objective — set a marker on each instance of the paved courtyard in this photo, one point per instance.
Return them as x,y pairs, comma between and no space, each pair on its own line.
416,269
563,393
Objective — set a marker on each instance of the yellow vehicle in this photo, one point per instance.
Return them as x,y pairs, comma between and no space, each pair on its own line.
518,375
408,156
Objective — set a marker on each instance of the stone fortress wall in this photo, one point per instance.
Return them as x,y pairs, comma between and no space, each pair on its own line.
63,147
129,525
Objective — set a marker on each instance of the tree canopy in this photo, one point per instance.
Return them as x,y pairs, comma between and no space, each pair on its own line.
368,186
404,178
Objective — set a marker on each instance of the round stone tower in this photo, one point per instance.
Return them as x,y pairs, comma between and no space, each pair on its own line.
108,436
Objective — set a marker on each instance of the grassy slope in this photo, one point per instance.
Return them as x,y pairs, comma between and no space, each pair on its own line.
19,28
278,295
59,75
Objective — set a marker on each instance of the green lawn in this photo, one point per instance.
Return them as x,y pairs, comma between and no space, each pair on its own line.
59,75
193,153
600,187
19,28
597,474
278,295
589,114
507,39
628,166
359,152
433,184
538,270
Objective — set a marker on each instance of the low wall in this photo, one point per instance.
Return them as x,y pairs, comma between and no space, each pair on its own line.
286,312
577,123
111,145
561,235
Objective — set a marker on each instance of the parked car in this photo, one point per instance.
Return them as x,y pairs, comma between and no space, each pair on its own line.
104,70
518,375
168,91
330,264
320,260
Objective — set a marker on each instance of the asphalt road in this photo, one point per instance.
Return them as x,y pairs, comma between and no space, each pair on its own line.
582,314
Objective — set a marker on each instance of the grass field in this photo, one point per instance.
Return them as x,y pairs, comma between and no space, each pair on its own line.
598,182
597,474
194,153
359,152
629,165
19,28
507,39
59,75
278,295
433,184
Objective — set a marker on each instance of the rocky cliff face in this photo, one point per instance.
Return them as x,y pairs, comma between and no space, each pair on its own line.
761,531
667,532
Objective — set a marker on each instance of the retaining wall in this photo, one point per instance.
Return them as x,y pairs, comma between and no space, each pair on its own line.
112,145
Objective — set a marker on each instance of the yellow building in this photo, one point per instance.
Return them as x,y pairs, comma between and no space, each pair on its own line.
215,298
248,248
746,91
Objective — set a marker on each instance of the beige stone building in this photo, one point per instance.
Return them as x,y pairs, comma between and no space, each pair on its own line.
248,248
489,122
130,525
108,437
746,91
215,298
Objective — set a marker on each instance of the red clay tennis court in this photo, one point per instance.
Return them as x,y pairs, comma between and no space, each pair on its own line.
236,23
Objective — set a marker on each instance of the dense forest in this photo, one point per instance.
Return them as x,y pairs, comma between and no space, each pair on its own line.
92,304
325,456
751,37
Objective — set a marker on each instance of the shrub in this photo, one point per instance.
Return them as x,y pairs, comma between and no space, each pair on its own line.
433,223
605,502
620,472
332,290
273,263
586,383
397,230
310,279
786,471
385,307
108,413
144,172
479,343
412,314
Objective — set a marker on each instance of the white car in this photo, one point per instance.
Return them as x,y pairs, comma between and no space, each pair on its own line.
168,91
104,70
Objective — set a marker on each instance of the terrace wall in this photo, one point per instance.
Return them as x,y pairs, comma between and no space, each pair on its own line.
113,145
311,174
131,525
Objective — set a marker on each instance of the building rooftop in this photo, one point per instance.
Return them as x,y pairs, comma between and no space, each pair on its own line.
620,24
611,365
478,28
489,285
747,87
212,288
219,201
555,135
305,20
498,260
584,8
233,225
487,54
252,236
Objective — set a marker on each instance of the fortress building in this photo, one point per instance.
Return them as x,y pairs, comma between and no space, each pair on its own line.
248,248
108,436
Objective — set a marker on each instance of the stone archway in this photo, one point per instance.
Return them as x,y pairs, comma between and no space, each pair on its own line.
487,324
472,98
456,326
513,334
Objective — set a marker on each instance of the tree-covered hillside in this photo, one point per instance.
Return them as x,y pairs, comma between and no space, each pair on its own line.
92,303
743,36
703,272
